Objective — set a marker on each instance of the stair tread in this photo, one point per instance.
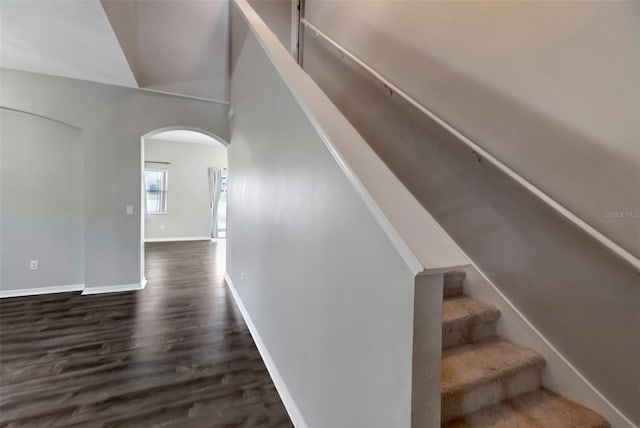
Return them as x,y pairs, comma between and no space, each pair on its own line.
537,409
466,366
466,320
458,308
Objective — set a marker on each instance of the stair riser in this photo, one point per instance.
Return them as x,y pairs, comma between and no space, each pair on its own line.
453,283
540,408
462,332
458,404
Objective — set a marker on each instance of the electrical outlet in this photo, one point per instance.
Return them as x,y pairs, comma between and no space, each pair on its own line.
129,209
34,265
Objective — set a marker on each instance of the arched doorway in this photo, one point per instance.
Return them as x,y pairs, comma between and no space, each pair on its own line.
183,179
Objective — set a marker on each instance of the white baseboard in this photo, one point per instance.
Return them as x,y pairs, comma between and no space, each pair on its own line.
184,238
115,288
41,290
281,387
72,287
559,375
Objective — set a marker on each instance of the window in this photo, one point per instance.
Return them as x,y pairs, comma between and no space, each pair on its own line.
155,181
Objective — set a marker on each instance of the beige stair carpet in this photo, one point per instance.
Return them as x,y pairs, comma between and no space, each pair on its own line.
488,381
538,409
467,320
485,373
453,282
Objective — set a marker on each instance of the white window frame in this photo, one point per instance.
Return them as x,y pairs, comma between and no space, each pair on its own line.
165,194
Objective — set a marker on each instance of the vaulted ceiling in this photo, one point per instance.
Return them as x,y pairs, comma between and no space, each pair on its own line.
178,46
65,38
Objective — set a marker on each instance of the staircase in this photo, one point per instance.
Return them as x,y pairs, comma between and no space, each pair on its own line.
490,382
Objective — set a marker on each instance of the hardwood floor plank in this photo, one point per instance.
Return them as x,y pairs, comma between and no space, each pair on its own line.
176,354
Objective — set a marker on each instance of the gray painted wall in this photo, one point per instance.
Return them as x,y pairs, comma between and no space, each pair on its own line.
550,88
277,15
330,296
580,297
179,46
42,208
113,120
188,201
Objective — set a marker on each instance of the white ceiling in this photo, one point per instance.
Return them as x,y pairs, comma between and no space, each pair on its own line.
63,38
184,136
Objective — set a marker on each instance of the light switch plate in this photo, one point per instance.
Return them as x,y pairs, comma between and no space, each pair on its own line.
129,209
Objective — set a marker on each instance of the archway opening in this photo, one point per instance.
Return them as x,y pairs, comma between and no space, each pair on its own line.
183,182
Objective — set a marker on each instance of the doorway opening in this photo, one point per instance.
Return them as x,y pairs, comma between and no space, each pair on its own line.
184,174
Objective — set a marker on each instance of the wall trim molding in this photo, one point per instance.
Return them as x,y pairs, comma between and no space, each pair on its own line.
41,290
281,387
178,239
40,116
115,288
180,95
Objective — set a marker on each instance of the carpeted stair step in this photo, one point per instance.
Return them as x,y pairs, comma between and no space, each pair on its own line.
453,283
485,373
466,320
538,409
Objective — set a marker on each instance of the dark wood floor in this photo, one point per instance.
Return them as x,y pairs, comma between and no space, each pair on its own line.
176,354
